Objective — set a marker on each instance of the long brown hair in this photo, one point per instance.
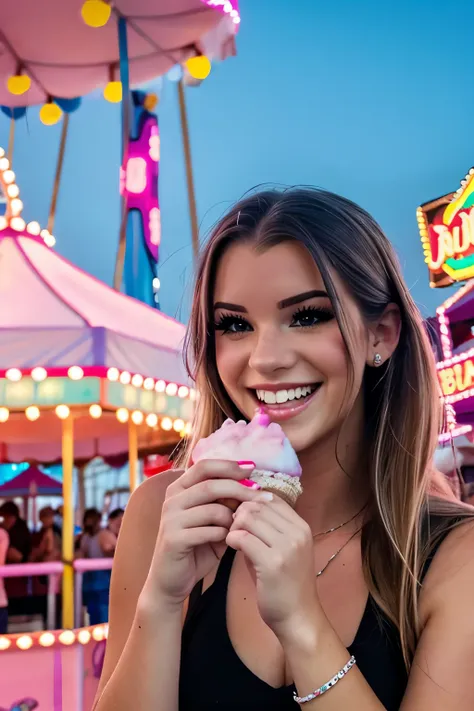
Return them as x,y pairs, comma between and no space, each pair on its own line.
402,402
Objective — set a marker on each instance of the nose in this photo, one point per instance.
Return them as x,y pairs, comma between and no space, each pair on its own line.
271,352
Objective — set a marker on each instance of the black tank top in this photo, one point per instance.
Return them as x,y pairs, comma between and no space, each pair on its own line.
213,676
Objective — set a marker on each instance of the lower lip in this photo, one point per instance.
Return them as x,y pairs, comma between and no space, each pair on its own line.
286,412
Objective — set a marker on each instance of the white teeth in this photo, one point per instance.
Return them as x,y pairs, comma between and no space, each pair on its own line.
270,397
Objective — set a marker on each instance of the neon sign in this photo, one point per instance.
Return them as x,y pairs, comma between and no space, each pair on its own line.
457,378
447,234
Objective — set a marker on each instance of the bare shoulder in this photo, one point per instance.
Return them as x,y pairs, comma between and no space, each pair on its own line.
452,570
440,677
133,555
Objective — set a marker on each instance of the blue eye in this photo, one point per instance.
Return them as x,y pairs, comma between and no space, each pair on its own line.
310,316
229,323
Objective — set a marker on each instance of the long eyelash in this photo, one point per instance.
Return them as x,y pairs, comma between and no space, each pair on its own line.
324,314
225,320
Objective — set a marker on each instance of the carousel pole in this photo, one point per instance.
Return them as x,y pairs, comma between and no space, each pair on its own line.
125,79
189,171
132,456
68,523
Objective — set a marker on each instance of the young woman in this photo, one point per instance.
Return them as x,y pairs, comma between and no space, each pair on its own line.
300,288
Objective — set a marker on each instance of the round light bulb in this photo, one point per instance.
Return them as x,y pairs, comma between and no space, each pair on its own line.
4,163
75,372
98,633
96,13
152,420
50,114
13,374
137,417
38,374
156,283
171,389
5,643
122,415
18,224
16,205
18,84
199,67
137,380
47,639
149,384
83,636
67,637
24,642
32,413
113,92
166,424
13,190
125,377
49,240
183,391
4,414
113,374
160,386
95,411
63,412
9,176
178,425
33,228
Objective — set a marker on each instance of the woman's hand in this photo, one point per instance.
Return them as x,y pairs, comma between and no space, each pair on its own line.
279,546
194,525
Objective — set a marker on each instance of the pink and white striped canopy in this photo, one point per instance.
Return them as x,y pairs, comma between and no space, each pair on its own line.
65,58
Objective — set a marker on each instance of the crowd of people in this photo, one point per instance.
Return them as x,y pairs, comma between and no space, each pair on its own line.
27,596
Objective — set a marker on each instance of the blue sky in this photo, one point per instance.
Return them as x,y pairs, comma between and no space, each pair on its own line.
373,100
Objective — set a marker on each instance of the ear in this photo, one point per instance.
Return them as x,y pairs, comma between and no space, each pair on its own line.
384,335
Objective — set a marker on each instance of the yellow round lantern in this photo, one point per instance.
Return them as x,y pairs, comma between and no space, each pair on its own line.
18,84
199,67
113,92
50,114
96,13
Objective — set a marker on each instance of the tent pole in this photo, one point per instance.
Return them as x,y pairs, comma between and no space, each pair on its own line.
11,140
132,455
57,177
68,522
189,171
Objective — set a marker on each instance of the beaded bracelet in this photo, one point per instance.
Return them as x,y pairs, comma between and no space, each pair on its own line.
328,685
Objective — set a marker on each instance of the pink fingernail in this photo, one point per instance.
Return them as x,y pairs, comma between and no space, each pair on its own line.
246,465
250,484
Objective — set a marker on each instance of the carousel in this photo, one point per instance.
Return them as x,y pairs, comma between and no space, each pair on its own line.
85,370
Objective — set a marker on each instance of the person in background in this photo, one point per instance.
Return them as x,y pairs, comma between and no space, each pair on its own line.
18,552
114,521
4,544
96,542
46,547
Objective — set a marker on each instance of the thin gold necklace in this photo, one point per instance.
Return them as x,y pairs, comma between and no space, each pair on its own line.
338,551
340,525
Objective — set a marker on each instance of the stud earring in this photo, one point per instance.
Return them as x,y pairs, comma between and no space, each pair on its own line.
377,360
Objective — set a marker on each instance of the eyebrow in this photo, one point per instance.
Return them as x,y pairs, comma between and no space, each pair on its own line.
284,304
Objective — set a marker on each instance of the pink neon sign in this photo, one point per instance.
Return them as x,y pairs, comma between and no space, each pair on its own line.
139,181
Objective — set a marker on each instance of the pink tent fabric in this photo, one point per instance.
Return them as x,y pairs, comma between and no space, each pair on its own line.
31,482
56,315
66,58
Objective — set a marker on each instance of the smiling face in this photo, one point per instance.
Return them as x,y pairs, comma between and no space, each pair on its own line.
278,343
